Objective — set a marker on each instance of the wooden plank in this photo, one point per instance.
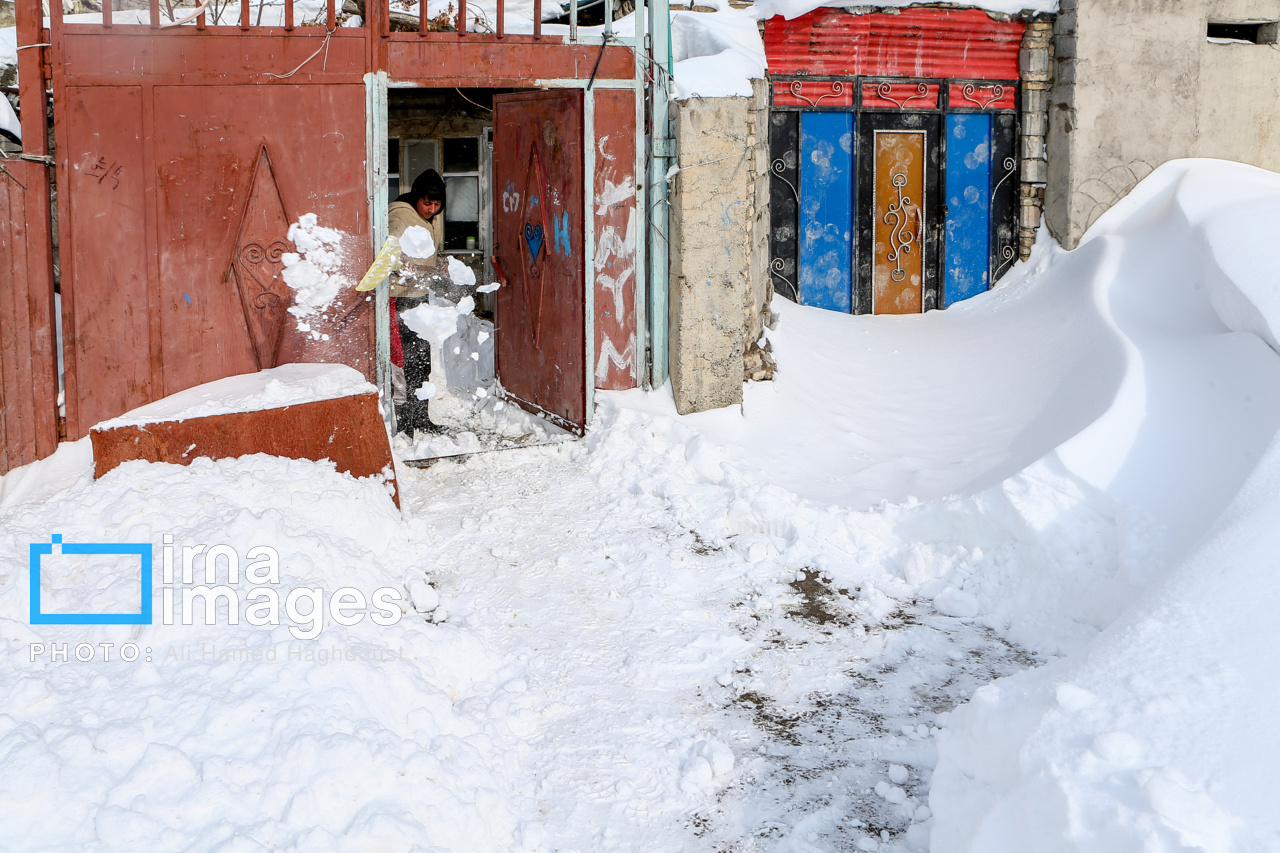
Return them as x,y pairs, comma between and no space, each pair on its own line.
826,210
28,363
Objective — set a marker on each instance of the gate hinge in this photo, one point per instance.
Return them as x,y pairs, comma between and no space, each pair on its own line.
664,146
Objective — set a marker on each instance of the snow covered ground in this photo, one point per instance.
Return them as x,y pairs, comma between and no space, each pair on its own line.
991,579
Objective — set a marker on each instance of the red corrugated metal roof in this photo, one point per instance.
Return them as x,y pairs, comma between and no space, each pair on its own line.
957,43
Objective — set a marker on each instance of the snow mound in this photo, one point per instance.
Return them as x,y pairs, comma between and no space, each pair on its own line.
286,385
238,736
1148,737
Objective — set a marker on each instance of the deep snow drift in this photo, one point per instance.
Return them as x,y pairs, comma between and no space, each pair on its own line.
739,630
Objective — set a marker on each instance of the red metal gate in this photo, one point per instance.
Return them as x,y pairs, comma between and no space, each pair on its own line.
540,330
183,155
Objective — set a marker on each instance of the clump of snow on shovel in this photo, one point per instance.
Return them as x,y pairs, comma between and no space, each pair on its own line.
416,242
313,271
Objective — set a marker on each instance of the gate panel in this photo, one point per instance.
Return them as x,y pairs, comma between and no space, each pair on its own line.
229,188
28,364
968,214
784,202
539,316
106,304
898,215
826,210
898,212
618,356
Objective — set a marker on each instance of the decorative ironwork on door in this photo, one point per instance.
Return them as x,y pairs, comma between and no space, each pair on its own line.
916,211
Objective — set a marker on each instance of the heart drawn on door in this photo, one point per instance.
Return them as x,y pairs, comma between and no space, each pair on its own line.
533,235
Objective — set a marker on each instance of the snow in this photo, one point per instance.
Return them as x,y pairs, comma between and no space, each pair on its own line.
314,272
276,387
461,274
9,119
789,9
991,579
416,242
715,54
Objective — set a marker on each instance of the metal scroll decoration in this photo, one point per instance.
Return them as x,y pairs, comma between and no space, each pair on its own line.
968,92
1007,253
1009,166
901,238
777,268
796,89
778,167
884,92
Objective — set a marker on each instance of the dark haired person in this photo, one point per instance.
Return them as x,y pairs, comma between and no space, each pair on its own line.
423,206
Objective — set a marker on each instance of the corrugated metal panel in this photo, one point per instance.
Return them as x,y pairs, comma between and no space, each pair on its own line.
957,43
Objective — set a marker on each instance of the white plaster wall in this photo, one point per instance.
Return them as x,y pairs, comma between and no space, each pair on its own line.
1138,84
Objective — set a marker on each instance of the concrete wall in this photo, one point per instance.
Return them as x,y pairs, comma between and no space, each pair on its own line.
1137,84
719,249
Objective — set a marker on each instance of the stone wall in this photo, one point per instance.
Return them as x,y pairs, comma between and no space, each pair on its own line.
1035,68
719,288
1137,83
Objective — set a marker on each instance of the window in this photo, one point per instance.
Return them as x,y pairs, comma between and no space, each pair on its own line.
1249,32
461,160
393,169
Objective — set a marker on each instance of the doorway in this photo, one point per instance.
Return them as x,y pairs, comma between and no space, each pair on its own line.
510,265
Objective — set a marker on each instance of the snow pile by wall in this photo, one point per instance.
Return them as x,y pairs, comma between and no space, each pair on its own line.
715,54
286,385
1149,738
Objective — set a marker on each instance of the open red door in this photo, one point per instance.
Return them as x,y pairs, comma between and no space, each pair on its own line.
539,314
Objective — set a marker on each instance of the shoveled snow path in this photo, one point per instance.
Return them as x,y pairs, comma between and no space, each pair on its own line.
643,646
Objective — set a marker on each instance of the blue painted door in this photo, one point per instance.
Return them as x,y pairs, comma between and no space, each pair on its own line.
826,210
968,206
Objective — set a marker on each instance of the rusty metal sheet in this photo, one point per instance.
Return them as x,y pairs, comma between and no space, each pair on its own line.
982,96
539,316
264,56
163,223
28,363
900,96
913,42
812,93
446,60
230,179
617,352
899,217
107,260
348,431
